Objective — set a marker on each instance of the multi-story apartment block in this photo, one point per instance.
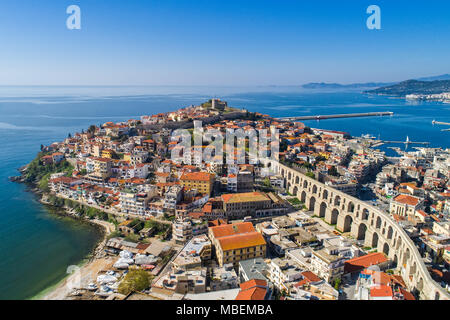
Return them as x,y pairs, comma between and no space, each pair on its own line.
282,272
256,204
203,182
134,202
236,242
196,252
173,195
327,264
102,168
183,229
224,278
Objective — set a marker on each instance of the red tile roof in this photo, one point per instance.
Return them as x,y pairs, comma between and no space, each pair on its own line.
197,176
406,199
422,213
381,291
230,229
243,240
254,289
359,263
407,295
310,276
196,215
237,236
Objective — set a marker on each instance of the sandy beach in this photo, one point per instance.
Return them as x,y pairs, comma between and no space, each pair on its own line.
82,275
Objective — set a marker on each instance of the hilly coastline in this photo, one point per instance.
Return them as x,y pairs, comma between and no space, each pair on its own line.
415,87
323,85
424,85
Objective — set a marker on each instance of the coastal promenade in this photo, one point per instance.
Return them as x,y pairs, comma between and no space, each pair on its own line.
112,211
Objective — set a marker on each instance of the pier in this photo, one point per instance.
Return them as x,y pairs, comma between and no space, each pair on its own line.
406,142
338,116
440,122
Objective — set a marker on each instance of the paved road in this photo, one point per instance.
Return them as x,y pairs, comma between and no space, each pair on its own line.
107,225
168,267
348,289
115,212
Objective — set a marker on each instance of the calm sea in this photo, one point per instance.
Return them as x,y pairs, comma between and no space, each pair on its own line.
36,247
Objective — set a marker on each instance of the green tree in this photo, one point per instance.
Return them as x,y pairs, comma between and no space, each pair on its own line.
132,238
137,224
115,234
43,183
103,216
283,145
136,280
307,165
92,128
337,283
333,172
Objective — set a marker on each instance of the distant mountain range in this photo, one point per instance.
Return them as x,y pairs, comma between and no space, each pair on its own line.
323,85
426,84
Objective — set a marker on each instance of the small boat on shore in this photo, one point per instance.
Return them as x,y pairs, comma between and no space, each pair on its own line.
91,286
75,293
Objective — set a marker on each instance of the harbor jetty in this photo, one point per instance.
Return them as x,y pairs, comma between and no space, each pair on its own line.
441,123
406,142
337,116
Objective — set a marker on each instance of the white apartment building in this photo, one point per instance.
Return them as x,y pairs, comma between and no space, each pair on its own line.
134,202
327,264
284,271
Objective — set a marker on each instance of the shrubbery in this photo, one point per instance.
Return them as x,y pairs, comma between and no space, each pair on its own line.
81,209
136,280
37,171
160,228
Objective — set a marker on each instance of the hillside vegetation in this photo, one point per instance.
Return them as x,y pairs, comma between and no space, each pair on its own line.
414,87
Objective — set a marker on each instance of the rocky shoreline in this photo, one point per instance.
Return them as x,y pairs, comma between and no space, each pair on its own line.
96,260
61,291
101,228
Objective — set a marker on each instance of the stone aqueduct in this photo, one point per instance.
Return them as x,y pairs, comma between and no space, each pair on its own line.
364,222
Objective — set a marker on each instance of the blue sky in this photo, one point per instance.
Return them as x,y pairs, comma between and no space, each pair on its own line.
208,42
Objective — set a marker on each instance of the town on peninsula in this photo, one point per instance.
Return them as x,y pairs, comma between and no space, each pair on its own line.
297,225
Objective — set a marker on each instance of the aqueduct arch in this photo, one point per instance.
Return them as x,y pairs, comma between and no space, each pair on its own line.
295,191
334,216
362,230
312,203
374,243
348,220
323,209
386,249
368,223
303,196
